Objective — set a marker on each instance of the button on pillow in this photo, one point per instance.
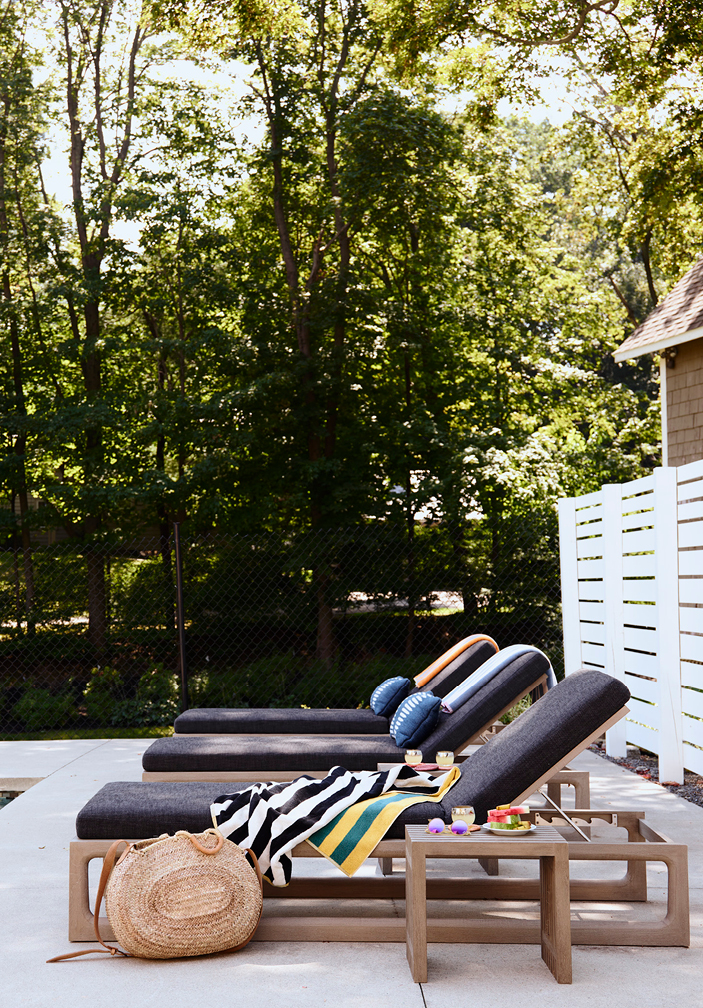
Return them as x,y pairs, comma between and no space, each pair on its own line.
386,697
415,719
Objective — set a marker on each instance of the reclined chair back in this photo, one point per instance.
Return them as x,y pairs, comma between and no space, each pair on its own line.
520,758
492,699
458,669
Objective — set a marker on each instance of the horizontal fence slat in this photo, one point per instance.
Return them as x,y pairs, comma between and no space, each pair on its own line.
641,664
643,519
691,563
691,674
589,515
640,615
638,566
645,713
693,759
593,654
692,730
594,611
691,702
593,633
644,689
638,542
639,591
591,590
640,735
691,590
691,534
692,510
588,500
691,470
689,491
640,640
691,647
594,528
589,547
638,486
690,620
590,568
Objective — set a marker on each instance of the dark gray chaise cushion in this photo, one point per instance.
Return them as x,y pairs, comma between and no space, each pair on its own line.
519,755
298,721
133,810
498,771
283,721
262,753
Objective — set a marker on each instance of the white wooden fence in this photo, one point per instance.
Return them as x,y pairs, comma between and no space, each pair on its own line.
632,596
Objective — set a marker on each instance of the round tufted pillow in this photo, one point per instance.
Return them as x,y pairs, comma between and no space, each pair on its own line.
415,719
386,697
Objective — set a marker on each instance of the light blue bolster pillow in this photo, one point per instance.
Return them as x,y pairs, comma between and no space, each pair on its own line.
495,664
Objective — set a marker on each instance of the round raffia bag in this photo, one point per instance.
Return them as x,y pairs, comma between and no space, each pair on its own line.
182,895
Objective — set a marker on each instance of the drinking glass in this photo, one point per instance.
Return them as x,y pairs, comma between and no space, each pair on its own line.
413,757
445,760
465,813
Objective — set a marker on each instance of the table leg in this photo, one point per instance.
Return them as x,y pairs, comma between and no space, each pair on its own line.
416,912
555,914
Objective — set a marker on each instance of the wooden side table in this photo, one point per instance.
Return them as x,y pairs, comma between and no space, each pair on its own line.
543,843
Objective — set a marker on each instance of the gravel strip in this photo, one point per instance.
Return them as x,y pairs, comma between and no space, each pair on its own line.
648,767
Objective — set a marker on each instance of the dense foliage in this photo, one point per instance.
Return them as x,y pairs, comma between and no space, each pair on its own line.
371,312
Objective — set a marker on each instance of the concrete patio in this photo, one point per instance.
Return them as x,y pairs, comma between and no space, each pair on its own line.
36,828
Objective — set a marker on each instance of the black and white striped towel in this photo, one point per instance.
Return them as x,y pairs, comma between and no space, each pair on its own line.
272,818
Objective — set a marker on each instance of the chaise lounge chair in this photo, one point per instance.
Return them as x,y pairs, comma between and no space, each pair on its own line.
441,677
284,757
511,766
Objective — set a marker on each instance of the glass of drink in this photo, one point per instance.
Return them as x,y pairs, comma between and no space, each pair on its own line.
413,757
445,760
465,813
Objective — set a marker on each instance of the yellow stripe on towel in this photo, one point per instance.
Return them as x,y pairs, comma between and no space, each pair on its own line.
352,835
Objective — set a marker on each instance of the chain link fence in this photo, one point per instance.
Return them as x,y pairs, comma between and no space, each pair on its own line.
88,634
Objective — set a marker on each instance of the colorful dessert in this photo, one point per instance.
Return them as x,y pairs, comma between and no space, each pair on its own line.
507,817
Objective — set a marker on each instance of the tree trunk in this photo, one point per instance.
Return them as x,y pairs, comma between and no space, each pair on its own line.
326,645
16,572
97,599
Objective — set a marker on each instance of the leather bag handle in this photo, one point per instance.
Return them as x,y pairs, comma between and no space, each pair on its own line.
108,865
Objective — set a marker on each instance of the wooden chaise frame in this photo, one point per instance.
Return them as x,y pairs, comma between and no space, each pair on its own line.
286,775
644,844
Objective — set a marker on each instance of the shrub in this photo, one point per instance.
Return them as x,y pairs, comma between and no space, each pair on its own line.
38,708
154,703
103,693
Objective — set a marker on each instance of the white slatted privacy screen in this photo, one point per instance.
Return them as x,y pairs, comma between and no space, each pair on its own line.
632,598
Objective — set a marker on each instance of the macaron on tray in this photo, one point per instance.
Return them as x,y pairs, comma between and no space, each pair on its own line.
437,827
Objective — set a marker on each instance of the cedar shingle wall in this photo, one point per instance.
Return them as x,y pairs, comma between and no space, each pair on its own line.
684,388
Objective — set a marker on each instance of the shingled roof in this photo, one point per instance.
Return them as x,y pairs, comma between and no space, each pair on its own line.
676,319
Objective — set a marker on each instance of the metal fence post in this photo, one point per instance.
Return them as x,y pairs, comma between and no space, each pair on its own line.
180,617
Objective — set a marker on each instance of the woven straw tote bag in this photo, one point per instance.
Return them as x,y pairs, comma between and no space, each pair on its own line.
181,895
